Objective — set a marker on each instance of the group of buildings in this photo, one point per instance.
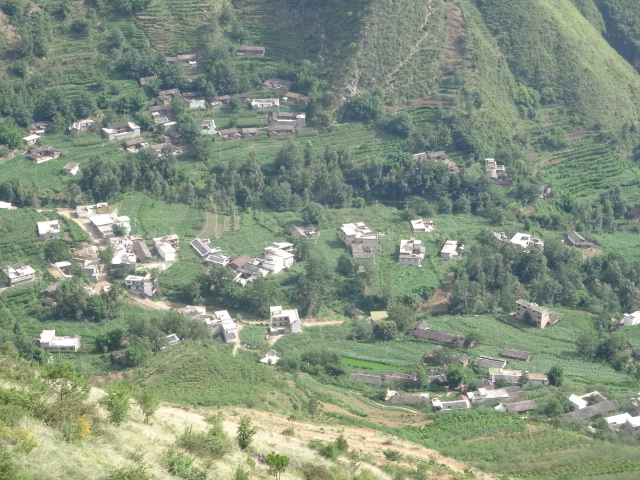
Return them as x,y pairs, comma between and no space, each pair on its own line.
274,259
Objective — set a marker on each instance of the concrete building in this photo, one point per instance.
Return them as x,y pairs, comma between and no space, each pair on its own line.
451,250
49,341
631,319
525,240
49,229
533,313
359,234
283,321
19,273
412,252
146,285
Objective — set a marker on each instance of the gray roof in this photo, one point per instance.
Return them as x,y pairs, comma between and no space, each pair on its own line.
488,362
521,407
516,354
366,378
592,410
422,331
141,250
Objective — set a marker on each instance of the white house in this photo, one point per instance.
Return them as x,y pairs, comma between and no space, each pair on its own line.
208,127
420,226
631,319
31,140
283,321
165,250
49,229
229,328
19,273
411,252
145,285
71,169
451,250
270,357
5,206
525,240
49,341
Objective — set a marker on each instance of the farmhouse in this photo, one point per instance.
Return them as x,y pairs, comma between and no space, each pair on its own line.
451,250
631,319
19,273
49,341
121,131
361,377
32,140
42,154
133,145
82,126
298,119
532,312
309,232
410,378
146,285
104,223
513,377
591,411
422,331
208,127
39,128
295,100
516,354
574,239
270,357
531,379
5,205
520,407
483,395
192,100
265,104
223,321
283,321
187,60
59,269
411,252
71,169
249,132
165,250
86,211
525,240
437,157
250,51
142,251
495,172
359,234
229,134
143,81
194,313
396,398
419,226
280,130
354,312
277,85
488,362
460,403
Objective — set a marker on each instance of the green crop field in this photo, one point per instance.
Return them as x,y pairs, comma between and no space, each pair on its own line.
522,448
154,218
351,362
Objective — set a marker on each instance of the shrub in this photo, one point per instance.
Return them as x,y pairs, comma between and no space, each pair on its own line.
392,455
211,444
181,465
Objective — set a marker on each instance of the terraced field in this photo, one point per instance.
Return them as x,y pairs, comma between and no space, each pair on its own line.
588,169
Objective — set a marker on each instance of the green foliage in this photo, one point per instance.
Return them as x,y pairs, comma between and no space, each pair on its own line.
149,401
385,330
181,465
214,443
130,473
117,402
64,381
392,455
455,376
246,432
277,463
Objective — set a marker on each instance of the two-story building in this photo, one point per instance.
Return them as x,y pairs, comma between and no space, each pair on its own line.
145,285
49,229
532,312
19,273
411,252
283,321
121,131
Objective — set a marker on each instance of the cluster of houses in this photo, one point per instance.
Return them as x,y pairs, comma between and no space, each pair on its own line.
104,223
132,249
276,258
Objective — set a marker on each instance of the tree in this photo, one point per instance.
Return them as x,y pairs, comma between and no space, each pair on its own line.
385,330
555,375
402,315
454,376
277,463
117,402
553,408
246,431
65,381
106,255
57,250
149,401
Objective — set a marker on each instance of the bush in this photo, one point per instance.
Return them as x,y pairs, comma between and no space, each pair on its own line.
392,455
181,465
213,444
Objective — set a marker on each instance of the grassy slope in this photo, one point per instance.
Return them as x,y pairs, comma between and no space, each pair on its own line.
557,47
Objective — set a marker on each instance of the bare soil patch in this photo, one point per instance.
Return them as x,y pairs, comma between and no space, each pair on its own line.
438,302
